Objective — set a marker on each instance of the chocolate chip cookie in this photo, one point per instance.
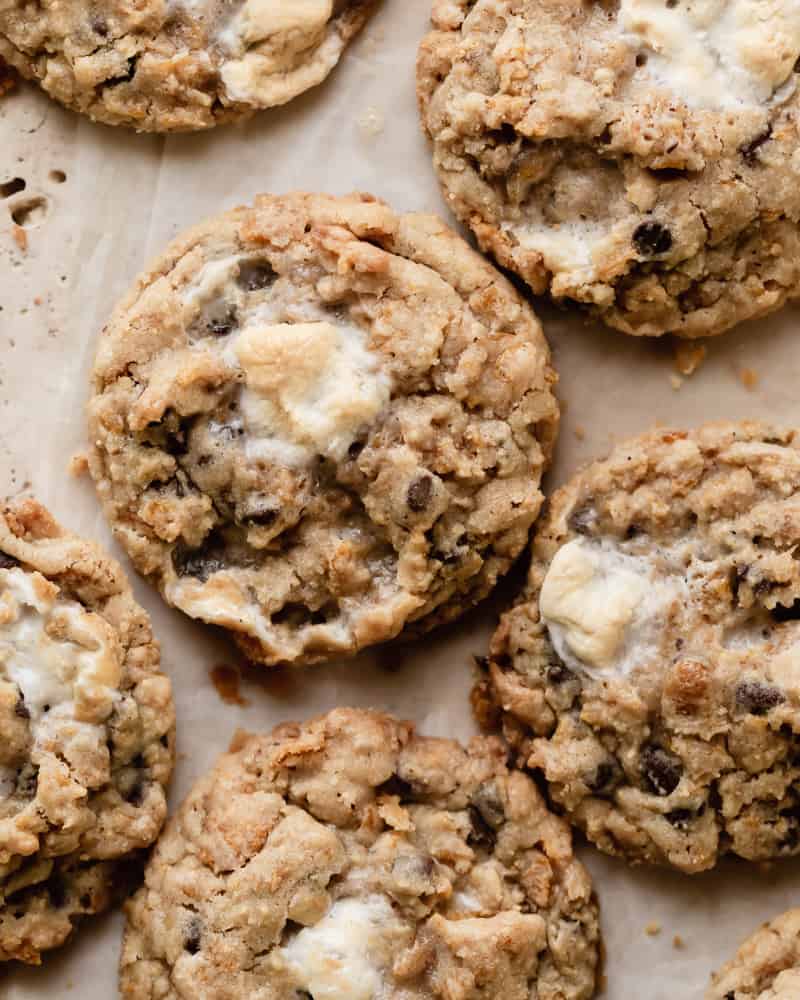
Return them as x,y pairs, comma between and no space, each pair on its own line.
766,967
177,65
348,858
651,670
86,732
316,422
638,157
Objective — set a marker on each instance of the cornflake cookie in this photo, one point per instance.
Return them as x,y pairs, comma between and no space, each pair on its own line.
651,671
766,967
349,859
637,156
316,421
177,65
86,731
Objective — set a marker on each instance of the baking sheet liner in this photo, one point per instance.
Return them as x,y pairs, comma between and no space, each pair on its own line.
123,198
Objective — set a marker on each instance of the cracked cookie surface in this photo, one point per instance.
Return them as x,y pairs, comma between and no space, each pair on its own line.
177,65
651,669
766,967
86,731
637,157
316,422
351,859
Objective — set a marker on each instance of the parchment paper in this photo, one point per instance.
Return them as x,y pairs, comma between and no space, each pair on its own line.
123,198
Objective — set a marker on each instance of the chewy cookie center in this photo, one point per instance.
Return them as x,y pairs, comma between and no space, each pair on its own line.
716,53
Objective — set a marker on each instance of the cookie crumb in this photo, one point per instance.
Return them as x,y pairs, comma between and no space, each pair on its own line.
675,381
226,680
20,237
749,378
689,355
371,122
579,432
78,465
678,942
653,929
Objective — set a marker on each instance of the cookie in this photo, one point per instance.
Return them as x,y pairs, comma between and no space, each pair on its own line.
348,858
766,967
86,732
638,158
316,422
650,669
177,65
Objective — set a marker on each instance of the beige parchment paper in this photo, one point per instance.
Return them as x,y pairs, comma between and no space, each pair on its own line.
123,197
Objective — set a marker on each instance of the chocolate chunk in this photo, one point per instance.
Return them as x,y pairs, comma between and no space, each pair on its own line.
559,673
396,786
7,561
255,275
756,698
202,562
652,239
21,709
781,613
56,891
481,835
489,804
27,781
680,818
419,494
661,770
192,936
355,449
582,519
223,324
606,778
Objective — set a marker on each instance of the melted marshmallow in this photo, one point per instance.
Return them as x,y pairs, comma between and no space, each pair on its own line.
603,608
62,658
341,957
716,53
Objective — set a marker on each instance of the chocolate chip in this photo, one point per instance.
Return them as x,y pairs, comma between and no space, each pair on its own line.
223,324
127,76
559,673
136,795
481,834
652,239
419,493
396,786
679,818
756,698
192,936
489,804
21,709
582,519
750,149
255,275
606,777
355,449
27,781
661,770
7,561
202,562
781,613
56,892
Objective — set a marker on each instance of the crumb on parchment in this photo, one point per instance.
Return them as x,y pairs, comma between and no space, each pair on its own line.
689,355
8,79
20,237
678,942
226,679
580,432
749,378
653,929
675,381
78,464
